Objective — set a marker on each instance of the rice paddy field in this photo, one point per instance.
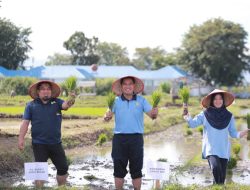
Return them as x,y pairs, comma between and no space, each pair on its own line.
85,132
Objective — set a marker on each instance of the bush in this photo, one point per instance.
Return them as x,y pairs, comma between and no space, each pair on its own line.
19,84
103,86
165,87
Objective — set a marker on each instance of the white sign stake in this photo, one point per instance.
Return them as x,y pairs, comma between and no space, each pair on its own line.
157,170
36,171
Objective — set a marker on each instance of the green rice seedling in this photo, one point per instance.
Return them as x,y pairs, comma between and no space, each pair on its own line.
102,139
70,83
90,177
200,129
236,149
110,100
156,98
162,160
189,131
69,160
248,126
184,94
232,163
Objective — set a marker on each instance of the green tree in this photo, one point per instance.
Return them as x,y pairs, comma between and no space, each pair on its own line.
112,54
104,86
59,59
215,51
14,44
83,49
152,58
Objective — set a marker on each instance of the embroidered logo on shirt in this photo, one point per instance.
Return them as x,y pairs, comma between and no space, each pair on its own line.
58,114
54,102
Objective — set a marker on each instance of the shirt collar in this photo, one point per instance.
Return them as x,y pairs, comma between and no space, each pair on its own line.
124,98
38,100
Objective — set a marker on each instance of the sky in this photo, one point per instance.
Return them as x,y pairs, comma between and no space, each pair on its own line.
129,23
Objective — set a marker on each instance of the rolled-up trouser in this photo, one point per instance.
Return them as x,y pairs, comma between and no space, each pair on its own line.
218,167
127,148
42,152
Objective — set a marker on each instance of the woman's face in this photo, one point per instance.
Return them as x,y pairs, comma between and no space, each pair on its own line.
218,101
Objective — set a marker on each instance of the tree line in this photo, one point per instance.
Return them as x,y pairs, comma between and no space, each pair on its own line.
215,51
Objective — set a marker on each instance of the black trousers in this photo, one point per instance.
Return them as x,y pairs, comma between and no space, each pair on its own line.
218,167
127,148
42,152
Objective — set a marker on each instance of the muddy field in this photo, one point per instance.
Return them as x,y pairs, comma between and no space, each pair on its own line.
92,165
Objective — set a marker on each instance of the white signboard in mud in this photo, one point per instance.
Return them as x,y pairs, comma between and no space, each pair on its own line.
36,171
157,170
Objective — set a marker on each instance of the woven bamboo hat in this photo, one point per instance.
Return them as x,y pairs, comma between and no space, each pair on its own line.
55,89
117,88
228,98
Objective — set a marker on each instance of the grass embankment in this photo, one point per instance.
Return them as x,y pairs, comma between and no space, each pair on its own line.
11,160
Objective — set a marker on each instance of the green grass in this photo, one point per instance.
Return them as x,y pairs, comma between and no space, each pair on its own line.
72,111
16,101
23,187
12,110
232,186
85,111
83,101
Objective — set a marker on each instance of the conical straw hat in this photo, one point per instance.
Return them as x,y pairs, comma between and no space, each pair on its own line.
228,98
116,86
55,89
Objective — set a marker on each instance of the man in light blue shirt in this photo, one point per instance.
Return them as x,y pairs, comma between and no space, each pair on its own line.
127,145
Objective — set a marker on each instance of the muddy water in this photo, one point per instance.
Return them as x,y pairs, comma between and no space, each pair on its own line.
96,161
171,144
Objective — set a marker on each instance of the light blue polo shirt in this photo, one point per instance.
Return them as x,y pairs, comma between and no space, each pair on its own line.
129,114
215,141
